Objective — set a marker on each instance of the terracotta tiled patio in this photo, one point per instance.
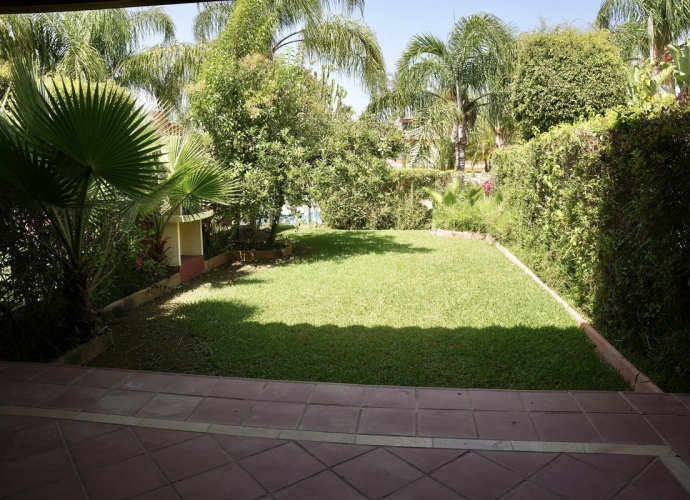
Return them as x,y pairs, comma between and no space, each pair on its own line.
73,433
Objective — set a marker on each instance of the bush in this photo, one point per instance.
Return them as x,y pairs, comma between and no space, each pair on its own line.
600,212
364,194
564,74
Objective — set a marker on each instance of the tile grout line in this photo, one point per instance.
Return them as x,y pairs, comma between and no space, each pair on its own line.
155,464
679,469
71,459
631,482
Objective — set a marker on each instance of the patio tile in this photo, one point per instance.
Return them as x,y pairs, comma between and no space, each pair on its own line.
387,421
274,414
603,402
426,459
229,481
683,452
190,457
507,425
119,402
145,381
67,489
22,371
348,395
529,491
190,385
221,411
675,429
106,449
61,375
446,423
425,489
477,478
73,398
123,480
330,418
390,397
657,404
235,388
549,401
34,471
282,466
170,406
334,453
565,427
660,482
239,447
623,467
165,493
103,377
524,463
684,398
287,392
27,394
324,483
496,400
443,399
155,439
9,423
633,493
29,440
575,480
377,473
74,430
624,429
6,385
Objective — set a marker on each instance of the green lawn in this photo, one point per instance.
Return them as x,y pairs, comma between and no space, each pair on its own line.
390,307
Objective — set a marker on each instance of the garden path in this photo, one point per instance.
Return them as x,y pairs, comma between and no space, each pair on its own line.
75,432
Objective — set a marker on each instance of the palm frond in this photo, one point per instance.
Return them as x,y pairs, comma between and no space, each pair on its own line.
348,44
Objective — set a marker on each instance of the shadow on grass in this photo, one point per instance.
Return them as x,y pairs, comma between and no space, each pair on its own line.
218,338
338,245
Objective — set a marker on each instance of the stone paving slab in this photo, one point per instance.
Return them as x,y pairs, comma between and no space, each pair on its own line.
74,432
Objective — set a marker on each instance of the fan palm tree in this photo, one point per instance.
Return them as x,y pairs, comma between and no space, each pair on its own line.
347,44
647,26
105,44
445,84
72,150
192,180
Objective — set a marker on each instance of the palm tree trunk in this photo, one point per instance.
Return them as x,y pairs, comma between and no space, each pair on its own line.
459,140
82,319
459,157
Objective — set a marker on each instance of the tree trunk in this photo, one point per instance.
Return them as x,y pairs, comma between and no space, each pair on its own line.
274,231
459,140
82,319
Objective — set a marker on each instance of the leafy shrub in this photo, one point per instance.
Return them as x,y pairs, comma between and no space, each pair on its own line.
360,194
564,74
600,212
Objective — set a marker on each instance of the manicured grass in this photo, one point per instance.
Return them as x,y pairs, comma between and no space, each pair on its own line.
391,307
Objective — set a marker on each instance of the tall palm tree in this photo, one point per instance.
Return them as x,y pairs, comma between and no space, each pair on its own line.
332,39
105,44
445,84
647,26
73,150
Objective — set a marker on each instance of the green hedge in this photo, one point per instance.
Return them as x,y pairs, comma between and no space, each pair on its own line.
376,196
601,212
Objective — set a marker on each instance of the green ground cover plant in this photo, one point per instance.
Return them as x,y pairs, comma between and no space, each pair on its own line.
385,307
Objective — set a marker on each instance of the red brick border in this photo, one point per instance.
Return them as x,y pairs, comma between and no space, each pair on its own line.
637,380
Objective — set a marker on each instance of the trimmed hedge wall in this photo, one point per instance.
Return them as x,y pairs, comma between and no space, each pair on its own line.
380,197
602,212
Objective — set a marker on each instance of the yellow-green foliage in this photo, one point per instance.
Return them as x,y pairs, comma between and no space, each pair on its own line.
565,75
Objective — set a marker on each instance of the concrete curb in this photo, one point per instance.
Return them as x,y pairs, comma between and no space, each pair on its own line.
98,345
638,381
